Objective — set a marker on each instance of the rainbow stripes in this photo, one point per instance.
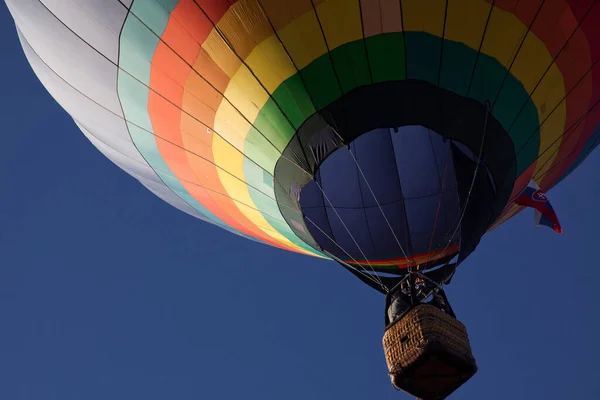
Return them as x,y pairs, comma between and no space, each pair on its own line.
214,90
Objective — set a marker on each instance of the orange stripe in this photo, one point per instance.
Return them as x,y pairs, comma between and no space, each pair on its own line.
554,25
403,262
194,173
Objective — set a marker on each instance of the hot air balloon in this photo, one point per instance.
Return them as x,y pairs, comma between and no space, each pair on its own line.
386,135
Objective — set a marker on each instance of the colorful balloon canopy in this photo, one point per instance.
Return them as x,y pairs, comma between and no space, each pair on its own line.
382,133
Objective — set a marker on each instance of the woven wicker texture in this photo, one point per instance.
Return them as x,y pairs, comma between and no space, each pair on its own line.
429,352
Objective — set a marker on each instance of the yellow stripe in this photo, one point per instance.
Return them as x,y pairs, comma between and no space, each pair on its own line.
341,21
239,190
270,63
246,94
546,97
303,39
425,16
512,211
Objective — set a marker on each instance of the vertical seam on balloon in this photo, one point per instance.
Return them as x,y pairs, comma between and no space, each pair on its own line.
127,8
548,69
566,156
327,47
442,40
574,125
558,105
437,170
362,29
439,203
487,22
300,208
289,56
441,102
404,40
319,248
564,137
79,36
337,79
220,33
362,198
580,158
403,199
517,53
322,192
299,74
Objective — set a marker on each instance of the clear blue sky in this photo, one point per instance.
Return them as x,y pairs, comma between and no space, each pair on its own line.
106,292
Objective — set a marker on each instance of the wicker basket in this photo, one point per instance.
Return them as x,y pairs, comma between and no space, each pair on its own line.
428,353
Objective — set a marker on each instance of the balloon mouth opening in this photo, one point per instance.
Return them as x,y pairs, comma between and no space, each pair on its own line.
387,198
380,175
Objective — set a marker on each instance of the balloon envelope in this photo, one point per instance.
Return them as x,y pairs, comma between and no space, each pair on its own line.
378,132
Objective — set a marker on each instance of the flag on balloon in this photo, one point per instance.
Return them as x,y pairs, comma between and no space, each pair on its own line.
534,197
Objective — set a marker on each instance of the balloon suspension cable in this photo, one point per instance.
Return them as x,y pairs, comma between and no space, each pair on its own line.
377,281
343,223
464,210
369,276
372,192
378,204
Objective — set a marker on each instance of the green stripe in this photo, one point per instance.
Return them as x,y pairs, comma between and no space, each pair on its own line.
381,58
261,189
389,47
386,63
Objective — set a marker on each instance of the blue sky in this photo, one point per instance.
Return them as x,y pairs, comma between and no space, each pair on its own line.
106,292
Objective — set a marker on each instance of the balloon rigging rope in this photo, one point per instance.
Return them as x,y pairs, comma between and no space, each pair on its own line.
378,205
372,193
377,281
437,214
464,210
345,227
368,276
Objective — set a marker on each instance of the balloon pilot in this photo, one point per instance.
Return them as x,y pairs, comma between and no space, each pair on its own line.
411,291
427,349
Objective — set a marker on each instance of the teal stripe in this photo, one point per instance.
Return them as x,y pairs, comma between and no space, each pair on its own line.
260,187
154,13
138,45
